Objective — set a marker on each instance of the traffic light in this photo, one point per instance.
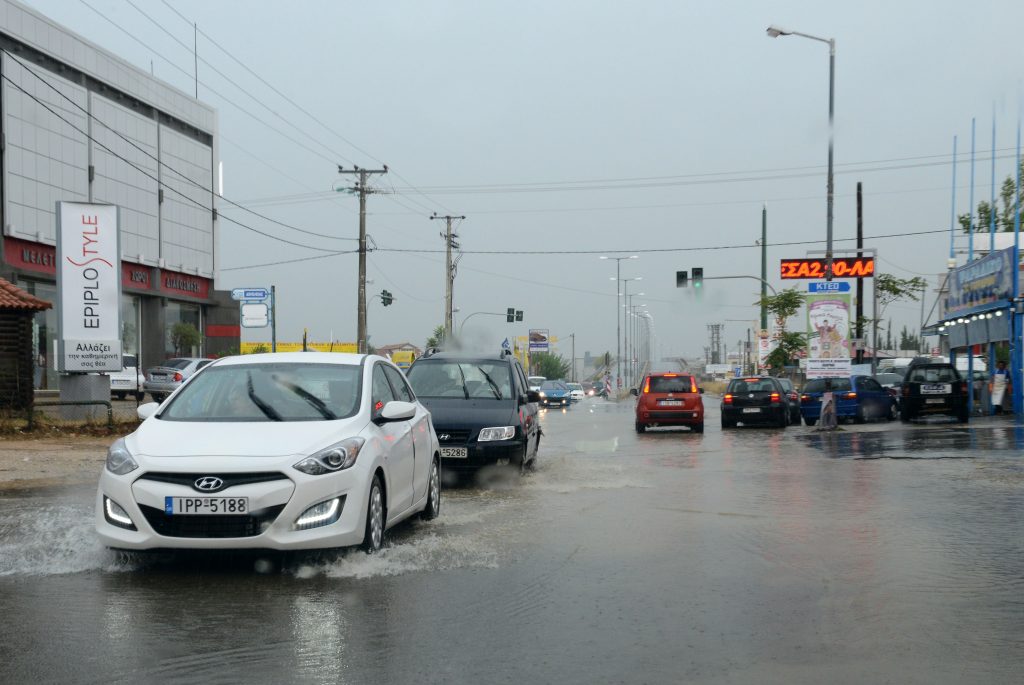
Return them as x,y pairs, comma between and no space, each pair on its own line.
519,315
510,314
386,298
682,278
698,277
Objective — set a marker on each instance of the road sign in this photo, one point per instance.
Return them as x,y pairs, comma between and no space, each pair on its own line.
255,315
257,294
828,287
506,345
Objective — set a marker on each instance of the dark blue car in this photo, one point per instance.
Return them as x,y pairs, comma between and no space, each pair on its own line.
856,397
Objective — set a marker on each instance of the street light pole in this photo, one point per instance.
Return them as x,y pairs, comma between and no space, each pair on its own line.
775,32
618,328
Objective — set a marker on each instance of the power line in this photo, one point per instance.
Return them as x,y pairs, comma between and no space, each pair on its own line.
289,261
160,162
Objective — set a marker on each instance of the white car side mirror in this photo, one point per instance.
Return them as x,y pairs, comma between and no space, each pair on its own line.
146,410
397,411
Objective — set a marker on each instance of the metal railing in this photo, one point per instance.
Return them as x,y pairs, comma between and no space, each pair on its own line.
72,403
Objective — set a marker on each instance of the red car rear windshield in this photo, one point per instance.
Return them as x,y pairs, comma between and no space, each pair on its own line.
671,383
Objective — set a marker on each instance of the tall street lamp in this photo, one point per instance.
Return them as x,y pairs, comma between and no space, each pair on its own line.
775,32
618,330
621,319
629,337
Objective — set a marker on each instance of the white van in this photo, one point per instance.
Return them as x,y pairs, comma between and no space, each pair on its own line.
127,381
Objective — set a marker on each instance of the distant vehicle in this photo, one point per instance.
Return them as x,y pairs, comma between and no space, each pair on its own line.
589,388
892,382
576,391
273,451
403,359
792,399
536,382
669,399
933,388
554,393
855,397
162,380
754,400
482,408
128,381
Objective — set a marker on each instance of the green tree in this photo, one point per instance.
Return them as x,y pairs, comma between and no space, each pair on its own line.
184,336
437,338
549,365
1010,195
789,345
260,348
783,306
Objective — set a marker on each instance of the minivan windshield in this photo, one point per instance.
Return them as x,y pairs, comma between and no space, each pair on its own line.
480,379
268,392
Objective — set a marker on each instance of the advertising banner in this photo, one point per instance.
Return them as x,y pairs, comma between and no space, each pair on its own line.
538,340
828,368
88,287
985,281
828,326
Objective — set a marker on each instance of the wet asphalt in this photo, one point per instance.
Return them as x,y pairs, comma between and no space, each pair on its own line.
880,553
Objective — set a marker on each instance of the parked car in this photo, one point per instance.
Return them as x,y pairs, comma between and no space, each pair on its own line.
576,392
754,400
482,407
162,380
128,381
554,393
792,398
669,399
535,382
892,381
855,397
933,388
273,451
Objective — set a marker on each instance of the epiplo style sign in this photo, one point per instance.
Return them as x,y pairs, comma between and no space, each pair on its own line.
89,287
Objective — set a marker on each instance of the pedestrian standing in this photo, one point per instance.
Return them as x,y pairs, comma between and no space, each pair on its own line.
1000,387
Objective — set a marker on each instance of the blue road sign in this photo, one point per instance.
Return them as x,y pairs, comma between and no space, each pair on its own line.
506,345
257,294
828,287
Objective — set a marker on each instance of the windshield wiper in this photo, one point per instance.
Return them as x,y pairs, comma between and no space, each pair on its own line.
490,381
269,411
465,390
312,399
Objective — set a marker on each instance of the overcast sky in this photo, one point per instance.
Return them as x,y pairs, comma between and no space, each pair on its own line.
677,119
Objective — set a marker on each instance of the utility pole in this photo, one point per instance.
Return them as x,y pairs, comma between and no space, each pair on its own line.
449,270
363,190
860,280
764,266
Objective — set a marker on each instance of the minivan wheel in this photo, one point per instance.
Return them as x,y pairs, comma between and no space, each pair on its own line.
373,536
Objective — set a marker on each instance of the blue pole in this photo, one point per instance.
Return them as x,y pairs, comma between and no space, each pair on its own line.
1016,358
992,207
970,203
952,211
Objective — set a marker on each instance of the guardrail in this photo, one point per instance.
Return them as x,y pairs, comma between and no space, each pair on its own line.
73,403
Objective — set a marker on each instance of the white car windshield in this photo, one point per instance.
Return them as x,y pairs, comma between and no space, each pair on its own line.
268,392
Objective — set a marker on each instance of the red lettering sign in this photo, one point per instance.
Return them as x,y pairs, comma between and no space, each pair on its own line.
184,284
842,267
30,256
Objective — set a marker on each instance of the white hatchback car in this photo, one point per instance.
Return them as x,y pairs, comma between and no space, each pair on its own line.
273,451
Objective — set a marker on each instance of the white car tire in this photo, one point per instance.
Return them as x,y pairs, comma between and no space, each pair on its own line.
373,537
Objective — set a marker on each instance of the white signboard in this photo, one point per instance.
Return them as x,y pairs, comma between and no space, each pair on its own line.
255,315
828,368
717,369
88,287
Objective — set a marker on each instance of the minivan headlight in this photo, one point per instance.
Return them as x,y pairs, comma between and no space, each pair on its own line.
119,459
334,458
499,433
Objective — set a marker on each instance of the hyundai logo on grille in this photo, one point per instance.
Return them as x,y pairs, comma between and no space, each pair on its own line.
443,437
208,484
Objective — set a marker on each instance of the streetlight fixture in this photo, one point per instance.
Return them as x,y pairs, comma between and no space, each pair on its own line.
622,319
775,32
618,329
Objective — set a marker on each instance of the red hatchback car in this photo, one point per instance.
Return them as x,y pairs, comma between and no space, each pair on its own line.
669,399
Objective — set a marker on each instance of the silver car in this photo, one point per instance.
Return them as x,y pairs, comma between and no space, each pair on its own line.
162,380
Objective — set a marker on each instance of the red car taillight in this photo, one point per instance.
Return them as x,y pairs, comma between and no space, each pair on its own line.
727,399
805,398
776,398
177,376
647,385
851,395
963,387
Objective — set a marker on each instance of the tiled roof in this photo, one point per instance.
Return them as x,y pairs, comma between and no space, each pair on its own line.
13,297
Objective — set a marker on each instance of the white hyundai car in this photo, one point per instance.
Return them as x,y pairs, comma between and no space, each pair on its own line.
273,451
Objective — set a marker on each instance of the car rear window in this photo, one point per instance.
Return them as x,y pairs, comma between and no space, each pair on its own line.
176,363
933,374
671,383
818,384
738,385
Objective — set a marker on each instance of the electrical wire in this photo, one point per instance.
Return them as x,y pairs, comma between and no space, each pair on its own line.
289,261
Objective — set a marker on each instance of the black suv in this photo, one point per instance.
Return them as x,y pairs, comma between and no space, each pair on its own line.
931,387
482,407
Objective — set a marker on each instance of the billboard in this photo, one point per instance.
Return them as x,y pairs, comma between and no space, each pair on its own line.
88,287
985,281
828,326
538,340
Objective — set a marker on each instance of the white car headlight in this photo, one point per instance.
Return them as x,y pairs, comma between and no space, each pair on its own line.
334,458
119,459
541,393
500,433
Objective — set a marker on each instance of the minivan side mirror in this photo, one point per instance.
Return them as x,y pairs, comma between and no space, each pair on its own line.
532,396
634,392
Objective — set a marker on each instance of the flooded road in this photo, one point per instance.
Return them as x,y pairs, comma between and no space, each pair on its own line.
882,553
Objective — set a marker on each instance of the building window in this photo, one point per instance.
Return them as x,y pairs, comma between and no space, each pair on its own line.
187,317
